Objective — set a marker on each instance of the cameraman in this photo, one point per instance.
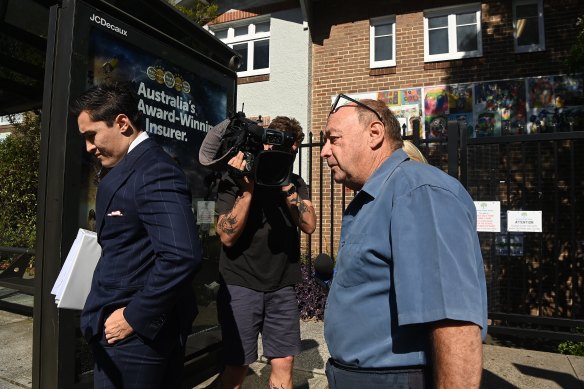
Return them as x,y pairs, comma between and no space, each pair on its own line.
259,265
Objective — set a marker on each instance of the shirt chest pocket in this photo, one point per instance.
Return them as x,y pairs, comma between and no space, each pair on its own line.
351,268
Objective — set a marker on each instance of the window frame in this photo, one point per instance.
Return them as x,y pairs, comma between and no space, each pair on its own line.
541,26
450,13
373,22
250,38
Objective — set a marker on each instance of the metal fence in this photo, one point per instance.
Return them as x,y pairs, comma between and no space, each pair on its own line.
534,280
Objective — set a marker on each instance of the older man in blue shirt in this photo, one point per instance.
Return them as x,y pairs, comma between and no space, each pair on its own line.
407,307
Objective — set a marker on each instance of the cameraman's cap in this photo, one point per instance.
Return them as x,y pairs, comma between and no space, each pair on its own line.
211,145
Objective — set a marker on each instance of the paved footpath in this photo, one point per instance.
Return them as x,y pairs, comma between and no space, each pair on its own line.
503,367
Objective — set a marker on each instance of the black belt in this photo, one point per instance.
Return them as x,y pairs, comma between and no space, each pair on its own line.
397,369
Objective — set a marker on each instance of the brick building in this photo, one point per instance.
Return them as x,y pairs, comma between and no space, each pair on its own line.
497,68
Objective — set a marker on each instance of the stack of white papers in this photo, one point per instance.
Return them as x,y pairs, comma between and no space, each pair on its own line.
74,280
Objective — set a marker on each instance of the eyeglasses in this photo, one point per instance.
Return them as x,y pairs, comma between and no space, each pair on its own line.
335,107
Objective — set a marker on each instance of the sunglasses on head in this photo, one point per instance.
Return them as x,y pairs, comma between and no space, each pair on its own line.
342,101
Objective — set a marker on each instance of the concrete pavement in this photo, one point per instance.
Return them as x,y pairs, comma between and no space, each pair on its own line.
504,367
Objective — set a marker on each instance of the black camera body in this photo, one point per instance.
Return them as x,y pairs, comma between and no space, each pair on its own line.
269,167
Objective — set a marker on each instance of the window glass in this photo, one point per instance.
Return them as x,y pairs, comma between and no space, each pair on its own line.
261,54
383,48
383,29
526,11
528,33
440,21
221,34
252,41
263,27
438,41
239,31
466,38
468,18
242,50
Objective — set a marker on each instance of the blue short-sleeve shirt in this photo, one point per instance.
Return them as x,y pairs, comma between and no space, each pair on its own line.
409,255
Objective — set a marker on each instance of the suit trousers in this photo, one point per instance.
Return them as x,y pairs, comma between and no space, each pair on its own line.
138,363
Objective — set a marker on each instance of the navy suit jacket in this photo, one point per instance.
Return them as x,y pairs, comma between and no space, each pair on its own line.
150,246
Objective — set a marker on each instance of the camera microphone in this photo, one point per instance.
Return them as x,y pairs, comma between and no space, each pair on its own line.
324,269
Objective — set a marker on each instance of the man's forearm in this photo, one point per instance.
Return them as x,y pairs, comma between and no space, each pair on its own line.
302,213
231,225
457,355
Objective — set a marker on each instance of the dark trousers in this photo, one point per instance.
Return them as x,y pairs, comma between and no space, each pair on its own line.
346,377
137,363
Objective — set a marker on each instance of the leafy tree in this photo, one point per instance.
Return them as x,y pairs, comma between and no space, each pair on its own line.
19,165
576,55
201,12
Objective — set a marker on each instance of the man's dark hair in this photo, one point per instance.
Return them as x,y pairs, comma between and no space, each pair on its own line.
104,102
286,124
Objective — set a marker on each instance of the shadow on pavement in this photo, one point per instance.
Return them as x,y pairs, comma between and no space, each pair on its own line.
562,379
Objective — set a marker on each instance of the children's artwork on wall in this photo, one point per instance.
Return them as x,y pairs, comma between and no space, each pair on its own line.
563,109
500,104
406,104
465,121
411,96
540,92
492,108
389,97
460,98
436,111
406,114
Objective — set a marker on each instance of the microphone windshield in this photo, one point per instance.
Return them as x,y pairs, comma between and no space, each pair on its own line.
324,266
212,144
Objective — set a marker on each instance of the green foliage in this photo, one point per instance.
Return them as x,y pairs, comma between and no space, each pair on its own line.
576,55
19,165
572,348
201,12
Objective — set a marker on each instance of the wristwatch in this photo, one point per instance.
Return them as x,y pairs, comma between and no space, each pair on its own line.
289,192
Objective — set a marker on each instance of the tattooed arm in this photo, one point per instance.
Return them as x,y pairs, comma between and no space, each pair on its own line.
302,211
230,225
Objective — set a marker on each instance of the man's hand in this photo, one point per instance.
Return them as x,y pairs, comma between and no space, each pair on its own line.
116,327
238,163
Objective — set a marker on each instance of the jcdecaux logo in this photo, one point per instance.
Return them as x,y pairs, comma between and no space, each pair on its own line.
102,22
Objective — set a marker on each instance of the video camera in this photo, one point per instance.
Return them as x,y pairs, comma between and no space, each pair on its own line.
238,133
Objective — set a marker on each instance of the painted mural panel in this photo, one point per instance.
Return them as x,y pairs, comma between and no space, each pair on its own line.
492,108
500,108
460,106
436,111
555,104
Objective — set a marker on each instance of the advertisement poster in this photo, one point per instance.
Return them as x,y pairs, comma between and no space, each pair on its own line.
178,106
436,112
500,108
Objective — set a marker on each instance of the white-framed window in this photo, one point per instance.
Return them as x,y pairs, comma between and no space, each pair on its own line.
452,33
251,39
382,42
528,30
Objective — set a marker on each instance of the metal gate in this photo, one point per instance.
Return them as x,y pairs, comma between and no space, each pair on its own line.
534,280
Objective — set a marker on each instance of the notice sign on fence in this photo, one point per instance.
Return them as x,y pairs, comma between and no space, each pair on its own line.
488,216
524,221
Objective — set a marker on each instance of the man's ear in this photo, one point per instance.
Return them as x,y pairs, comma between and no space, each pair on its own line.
376,134
124,124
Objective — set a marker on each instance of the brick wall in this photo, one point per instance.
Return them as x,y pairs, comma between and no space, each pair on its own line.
341,65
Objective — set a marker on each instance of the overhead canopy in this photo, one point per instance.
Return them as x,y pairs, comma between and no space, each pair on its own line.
23,42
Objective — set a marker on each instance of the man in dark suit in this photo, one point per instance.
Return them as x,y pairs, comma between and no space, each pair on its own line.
141,304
